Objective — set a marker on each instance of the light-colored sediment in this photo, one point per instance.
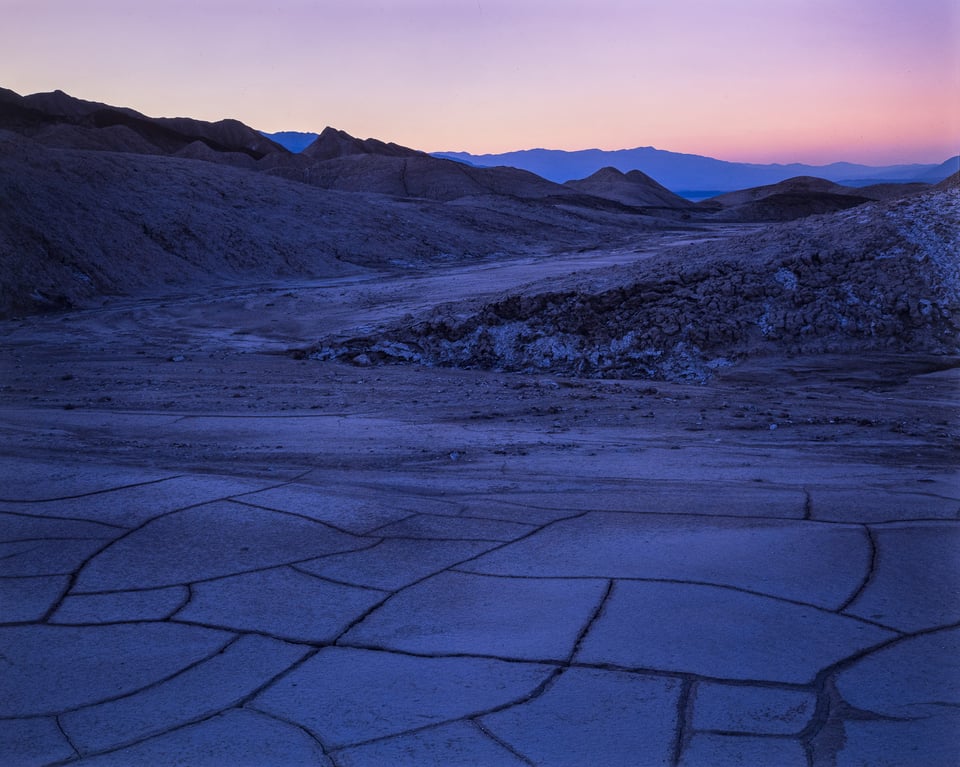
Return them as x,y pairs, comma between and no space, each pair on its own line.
214,553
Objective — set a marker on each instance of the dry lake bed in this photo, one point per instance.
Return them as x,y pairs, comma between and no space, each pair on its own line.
216,553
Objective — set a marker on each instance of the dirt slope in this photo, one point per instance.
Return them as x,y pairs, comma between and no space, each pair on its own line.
883,277
79,225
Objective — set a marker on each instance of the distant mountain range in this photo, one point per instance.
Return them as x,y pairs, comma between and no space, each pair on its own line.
689,175
695,176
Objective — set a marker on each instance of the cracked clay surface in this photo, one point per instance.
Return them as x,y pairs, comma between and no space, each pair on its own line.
215,554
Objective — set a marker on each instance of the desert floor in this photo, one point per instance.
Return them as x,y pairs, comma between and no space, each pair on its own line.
215,553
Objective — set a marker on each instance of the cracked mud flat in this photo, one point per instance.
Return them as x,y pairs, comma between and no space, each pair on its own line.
216,554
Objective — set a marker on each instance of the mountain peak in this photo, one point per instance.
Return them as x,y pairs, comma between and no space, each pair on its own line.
634,188
333,143
608,173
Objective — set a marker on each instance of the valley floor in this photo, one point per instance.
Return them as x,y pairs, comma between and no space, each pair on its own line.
215,553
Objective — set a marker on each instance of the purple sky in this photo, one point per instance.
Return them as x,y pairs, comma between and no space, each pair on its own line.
873,81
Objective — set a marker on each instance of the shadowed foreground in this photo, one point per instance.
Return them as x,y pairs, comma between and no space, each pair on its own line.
216,554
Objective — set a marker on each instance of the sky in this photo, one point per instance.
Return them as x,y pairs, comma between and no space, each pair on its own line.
815,81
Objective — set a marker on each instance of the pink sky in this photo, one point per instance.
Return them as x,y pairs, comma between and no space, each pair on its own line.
874,81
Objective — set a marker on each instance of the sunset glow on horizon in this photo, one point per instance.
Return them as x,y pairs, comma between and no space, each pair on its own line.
814,81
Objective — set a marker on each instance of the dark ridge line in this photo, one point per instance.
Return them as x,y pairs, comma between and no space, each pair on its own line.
92,492
653,672
450,496
131,744
297,515
136,590
325,579
829,716
76,572
457,569
377,542
451,566
196,720
132,530
501,742
445,722
241,703
538,691
436,538
462,517
318,644
311,653
33,577
274,486
224,576
190,666
818,721
61,519
291,723
555,663
64,574
500,519
844,663
253,416
374,530
66,737
65,592
591,621
868,575
184,603
807,505
748,734
684,727
6,541
504,544
678,582
686,515
903,521
938,496
946,521
374,588
825,681
13,554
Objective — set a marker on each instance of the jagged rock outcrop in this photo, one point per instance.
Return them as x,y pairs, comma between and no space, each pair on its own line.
882,277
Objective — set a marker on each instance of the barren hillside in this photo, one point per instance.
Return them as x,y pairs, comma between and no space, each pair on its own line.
79,225
883,277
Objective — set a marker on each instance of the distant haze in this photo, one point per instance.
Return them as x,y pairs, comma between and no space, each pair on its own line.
812,81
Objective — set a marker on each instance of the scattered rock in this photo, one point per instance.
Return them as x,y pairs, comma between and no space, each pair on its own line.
881,278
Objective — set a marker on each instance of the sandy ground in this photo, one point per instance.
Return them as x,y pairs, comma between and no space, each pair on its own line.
761,570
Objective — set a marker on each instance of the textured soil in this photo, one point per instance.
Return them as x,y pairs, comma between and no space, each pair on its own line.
80,225
881,278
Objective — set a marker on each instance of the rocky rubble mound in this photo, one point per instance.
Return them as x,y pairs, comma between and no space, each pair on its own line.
882,277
